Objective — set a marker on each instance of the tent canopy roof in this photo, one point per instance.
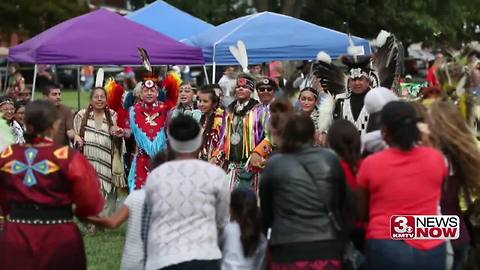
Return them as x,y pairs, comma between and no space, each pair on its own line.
168,20
270,36
102,37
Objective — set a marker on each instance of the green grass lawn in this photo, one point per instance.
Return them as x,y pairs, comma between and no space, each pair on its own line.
104,250
70,99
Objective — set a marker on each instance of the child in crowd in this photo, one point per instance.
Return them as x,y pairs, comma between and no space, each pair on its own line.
133,252
243,245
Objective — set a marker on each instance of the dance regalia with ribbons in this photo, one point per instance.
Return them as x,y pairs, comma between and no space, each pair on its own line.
243,133
211,134
147,122
148,125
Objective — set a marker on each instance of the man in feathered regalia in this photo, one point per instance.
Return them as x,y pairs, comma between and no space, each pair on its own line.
147,122
363,73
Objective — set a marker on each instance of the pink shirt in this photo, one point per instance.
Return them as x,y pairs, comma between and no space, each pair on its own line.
402,183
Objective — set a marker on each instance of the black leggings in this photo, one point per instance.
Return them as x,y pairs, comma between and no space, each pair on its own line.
195,265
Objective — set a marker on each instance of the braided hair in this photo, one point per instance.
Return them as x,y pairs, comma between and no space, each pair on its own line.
89,110
208,120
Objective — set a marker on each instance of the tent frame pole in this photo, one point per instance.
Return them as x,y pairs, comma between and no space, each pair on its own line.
206,74
6,78
35,70
78,88
213,72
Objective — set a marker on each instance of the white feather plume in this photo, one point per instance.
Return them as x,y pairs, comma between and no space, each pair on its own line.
99,78
324,57
382,38
460,90
325,111
240,54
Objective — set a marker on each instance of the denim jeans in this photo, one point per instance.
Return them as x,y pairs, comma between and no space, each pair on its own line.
397,255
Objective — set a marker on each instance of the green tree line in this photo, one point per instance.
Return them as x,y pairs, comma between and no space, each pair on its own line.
437,22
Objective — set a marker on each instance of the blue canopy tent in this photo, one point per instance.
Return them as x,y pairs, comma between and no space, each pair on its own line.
270,36
169,20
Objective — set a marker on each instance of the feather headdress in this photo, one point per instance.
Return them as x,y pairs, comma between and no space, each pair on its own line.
240,54
151,78
388,60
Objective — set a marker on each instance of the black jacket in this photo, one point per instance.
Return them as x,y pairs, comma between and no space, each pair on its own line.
294,205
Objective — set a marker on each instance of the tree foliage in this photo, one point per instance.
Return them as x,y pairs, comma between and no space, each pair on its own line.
30,17
439,22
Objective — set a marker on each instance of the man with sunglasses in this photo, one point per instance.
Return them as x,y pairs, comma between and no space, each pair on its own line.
266,89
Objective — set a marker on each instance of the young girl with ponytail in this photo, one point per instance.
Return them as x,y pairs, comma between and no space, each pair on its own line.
243,244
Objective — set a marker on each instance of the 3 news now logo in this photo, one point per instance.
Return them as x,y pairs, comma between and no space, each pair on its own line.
424,227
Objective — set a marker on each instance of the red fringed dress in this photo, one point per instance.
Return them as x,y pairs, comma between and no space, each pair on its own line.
39,185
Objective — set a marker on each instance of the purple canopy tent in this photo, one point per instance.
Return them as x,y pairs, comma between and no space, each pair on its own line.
102,37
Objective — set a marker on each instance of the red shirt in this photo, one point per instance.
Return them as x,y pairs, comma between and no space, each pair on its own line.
402,183
349,175
432,76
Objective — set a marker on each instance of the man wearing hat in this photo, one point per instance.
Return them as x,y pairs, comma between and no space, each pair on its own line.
351,106
242,132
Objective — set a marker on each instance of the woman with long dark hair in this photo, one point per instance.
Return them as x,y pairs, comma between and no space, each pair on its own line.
243,244
97,126
210,121
404,179
186,102
343,137
40,182
303,193
309,99
451,135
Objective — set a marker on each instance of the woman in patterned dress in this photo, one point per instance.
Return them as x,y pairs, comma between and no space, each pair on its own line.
97,126
40,182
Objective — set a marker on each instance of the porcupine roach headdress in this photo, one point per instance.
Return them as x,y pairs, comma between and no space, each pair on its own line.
115,92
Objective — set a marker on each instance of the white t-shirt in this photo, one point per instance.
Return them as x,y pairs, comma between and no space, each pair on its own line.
133,252
232,250
189,202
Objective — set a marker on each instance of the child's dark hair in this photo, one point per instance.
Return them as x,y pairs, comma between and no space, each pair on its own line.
344,139
158,159
245,212
184,128
39,117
